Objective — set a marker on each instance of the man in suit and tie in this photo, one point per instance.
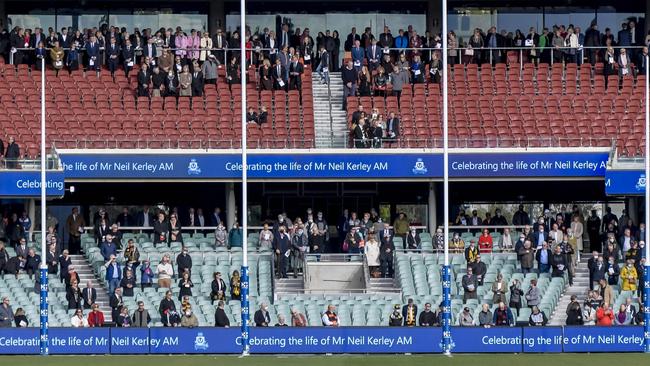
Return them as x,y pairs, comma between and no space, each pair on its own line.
642,62
392,128
295,74
113,56
357,55
220,43
149,50
116,302
279,81
197,81
75,226
373,53
21,248
284,36
540,236
215,218
36,38
92,51
89,295
125,219
191,218
351,39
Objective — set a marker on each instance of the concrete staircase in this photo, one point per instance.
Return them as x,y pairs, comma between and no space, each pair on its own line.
580,287
288,287
86,274
336,134
382,285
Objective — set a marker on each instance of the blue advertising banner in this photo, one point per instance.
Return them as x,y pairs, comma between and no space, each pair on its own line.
353,165
194,340
27,183
19,341
603,339
625,182
129,340
345,340
314,340
542,339
486,340
73,341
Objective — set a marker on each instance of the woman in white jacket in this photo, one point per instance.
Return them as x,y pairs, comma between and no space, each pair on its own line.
372,253
588,314
206,45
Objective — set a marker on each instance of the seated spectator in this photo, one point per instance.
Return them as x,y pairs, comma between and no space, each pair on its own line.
485,317
33,262
537,318
413,241
263,116
262,317
6,313
79,320
395,319
506,241
503,316
457,245
329,318
251,116
297,318
281,321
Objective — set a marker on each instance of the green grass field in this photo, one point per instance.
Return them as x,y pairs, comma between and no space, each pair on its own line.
361,360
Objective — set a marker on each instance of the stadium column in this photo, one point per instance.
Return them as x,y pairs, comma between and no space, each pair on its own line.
231,205
646,272
434,15
31,213
216,15
432,207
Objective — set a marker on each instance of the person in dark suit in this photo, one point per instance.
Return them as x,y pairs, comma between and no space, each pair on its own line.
642,62
540,236
128,55
52,260
144,217
373,53
197,81
220,43
89,295
215,218
64,264
261,317
358,56
12,154
295,74
144,79
220,318
386,258
351,39
125,219
73,295
113,52
392,128
116,302
360,135
92,51
279,81
281,243
149,49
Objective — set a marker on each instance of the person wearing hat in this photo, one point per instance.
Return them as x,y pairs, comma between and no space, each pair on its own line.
471,252
209,70
409,312
396,318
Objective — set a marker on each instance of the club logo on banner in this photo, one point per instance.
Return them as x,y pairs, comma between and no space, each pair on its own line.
193,168
419,167
200,343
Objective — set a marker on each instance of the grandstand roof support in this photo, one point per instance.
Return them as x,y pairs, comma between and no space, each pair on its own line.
44,341
447,343
646,275
245,308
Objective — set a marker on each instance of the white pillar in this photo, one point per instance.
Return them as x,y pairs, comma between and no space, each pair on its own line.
433,219
231,205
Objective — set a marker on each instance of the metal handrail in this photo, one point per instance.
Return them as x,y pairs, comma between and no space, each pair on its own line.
491,142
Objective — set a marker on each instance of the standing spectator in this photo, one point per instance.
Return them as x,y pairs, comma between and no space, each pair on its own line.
386,258
235,286
88,295
185,82
282,251
395,318
73,296
515,295
526,257
604,316
574,312
235,236
168,314
146,277
12,154
265,238
499,290
612,272
329,318
116,302
220,318
543,257
533,295
409,312
198,81
349,76
20,319
78,320
209,70
300,246
113,274
221,236
128,284
6,313
629,276
160,230
261,316
558,262
95,317
503,316
480,270
184,261
485,243
75,227
413,240
323,66
470,285
485,317
128,56
144,79
593,224
165,272
537,318
185,284
427,317
218,288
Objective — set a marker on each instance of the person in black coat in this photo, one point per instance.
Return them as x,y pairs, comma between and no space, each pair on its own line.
113,52
386,258
160,230
52,261
116,302
144,78
278,72
295,74
281,244
128,55
218,287
89,295
128,284
12,154
220,317
73,295
261,317
184,261
168,314
198,82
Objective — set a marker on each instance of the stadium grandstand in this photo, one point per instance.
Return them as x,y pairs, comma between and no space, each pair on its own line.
340,220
